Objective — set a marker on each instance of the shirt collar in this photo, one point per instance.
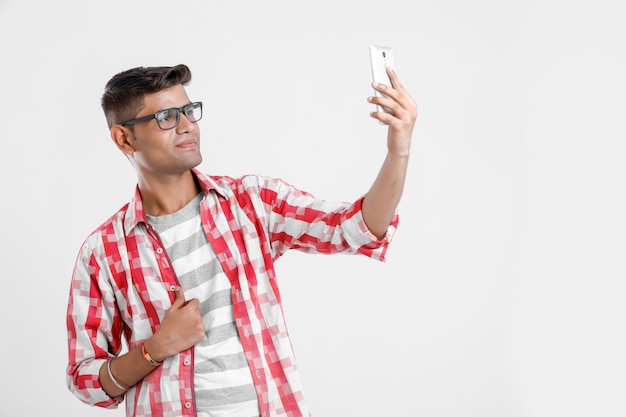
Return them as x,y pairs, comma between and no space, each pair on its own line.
135,213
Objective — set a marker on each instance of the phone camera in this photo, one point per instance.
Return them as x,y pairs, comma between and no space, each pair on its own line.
384,54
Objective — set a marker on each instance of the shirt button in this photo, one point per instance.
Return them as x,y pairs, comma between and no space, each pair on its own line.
159,250
186,362
187,404
258,373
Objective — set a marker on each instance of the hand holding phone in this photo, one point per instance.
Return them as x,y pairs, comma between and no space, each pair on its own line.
381,57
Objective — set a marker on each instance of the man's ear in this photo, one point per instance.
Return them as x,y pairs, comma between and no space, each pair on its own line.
123,139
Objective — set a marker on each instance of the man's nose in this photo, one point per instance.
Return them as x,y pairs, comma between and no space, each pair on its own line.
184,124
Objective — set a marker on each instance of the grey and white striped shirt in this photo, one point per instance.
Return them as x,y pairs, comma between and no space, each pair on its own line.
222,379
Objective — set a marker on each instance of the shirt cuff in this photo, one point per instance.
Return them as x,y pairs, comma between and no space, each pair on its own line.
88,387
362,239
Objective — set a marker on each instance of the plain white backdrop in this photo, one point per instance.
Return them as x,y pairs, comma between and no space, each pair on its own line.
504,290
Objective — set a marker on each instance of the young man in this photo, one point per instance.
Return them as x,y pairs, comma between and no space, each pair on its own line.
183,274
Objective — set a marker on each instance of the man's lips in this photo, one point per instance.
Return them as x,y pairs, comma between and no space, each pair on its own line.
189,143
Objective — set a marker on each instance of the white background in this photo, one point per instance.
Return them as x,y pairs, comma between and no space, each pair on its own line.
504,290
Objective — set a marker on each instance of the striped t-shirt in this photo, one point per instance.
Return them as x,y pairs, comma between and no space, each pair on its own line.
223,382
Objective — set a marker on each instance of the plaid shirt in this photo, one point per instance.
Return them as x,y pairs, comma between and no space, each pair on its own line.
121,280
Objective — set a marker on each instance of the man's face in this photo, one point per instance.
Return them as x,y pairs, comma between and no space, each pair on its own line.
162,152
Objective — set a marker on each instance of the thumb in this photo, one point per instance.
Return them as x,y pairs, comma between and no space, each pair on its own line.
179,301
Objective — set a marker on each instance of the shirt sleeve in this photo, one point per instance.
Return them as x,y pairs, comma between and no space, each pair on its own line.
298,220
94,329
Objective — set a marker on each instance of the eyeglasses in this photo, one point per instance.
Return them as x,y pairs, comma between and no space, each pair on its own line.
169,118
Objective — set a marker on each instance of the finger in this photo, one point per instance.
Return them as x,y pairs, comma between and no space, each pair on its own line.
396,113
399,87
388,91
382,116
395,81
387,103
193,303
179,301
398,98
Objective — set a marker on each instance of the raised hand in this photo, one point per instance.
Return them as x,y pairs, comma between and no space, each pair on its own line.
403,114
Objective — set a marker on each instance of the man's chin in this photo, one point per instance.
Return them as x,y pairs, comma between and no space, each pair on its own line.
194,162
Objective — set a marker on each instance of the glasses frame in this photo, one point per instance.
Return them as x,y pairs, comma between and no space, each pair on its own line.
179,110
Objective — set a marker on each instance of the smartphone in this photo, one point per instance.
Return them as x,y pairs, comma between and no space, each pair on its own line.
381,57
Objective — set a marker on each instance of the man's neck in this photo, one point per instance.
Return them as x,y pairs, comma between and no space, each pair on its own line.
167,194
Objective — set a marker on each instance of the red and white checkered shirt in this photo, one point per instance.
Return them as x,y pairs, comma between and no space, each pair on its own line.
121,281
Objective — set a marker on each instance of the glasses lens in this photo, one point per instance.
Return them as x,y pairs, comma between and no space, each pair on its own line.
167,119
193,111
